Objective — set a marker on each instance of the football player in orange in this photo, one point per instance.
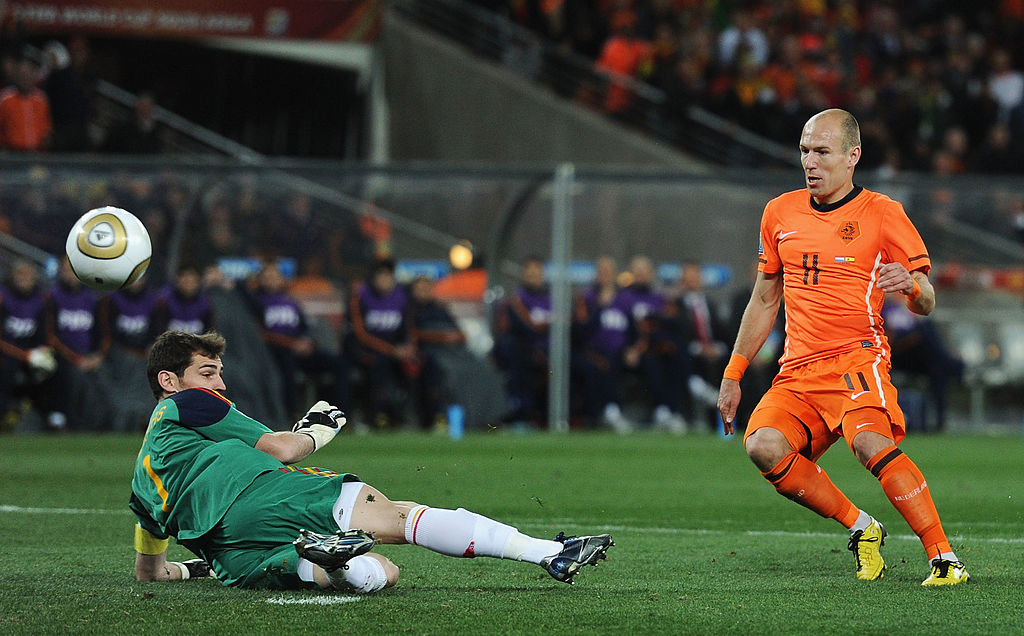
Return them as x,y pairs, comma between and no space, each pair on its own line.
832,252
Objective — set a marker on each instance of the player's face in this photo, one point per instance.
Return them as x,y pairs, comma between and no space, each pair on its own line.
828,171
203,373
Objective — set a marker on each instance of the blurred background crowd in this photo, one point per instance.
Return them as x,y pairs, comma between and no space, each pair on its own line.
329,269
937,86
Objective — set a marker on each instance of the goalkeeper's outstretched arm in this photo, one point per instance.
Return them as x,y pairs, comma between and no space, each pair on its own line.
151,562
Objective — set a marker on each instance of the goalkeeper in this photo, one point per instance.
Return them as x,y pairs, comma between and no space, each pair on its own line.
225,487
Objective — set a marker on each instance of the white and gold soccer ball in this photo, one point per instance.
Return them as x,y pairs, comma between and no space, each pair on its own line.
109,248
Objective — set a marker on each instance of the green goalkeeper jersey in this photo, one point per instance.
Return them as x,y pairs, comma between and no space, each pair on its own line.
198,455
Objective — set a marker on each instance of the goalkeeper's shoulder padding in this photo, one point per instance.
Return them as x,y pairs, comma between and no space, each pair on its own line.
200,407
146,543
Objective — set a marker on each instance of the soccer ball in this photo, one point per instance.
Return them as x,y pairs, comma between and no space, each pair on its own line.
108,248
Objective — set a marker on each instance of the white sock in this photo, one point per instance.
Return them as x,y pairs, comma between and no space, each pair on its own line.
863,521
364,575
461,533
946,556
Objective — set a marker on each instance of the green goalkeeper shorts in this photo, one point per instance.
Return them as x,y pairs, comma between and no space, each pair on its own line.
252,547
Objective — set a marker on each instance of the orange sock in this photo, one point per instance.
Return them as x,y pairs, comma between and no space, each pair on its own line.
906,488
803,481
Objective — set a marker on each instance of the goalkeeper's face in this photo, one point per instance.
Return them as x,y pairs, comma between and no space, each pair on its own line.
202,373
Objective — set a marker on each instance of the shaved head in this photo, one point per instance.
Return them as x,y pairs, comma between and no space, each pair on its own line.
847,123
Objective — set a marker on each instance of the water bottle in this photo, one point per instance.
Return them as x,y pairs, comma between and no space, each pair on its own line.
456,421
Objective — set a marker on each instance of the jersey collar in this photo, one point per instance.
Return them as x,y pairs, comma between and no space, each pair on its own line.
828,207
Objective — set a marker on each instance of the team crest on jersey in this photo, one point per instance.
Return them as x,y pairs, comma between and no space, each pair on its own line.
848,231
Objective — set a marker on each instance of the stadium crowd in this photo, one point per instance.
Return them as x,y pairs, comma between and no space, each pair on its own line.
48,102
937,86
643,349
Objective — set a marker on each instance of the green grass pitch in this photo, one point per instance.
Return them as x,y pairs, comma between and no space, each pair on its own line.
704,545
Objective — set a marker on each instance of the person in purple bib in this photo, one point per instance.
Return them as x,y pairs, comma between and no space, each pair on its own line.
183,306
522,329
382,346
131,312
286,332
659,358
77,329
605,333
27,363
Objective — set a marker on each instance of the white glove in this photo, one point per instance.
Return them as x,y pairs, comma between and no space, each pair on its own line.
41,359
322,422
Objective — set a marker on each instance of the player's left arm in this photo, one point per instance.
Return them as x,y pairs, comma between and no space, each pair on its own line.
894,278
151,562
317,427
905,250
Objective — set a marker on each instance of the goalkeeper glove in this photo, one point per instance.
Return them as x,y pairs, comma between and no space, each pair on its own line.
194,569
322,422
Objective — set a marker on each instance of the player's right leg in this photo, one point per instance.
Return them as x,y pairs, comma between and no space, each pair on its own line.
774,433
461,533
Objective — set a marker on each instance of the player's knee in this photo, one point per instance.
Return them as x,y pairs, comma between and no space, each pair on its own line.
766,447
365,574
391,572
868,444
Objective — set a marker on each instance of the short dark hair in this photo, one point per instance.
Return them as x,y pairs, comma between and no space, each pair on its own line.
383,265
173,351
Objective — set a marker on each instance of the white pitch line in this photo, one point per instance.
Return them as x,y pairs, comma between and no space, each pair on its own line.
63,511
762,533
560,524
314,600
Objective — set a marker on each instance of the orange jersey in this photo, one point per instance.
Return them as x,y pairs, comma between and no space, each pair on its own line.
829,256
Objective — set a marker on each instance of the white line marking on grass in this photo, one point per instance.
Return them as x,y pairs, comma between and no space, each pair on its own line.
763,533
63,511
314,600
562,523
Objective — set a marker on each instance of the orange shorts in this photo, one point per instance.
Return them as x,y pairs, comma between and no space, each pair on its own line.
812,404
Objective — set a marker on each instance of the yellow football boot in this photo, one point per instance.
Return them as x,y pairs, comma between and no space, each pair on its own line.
866,546
946,573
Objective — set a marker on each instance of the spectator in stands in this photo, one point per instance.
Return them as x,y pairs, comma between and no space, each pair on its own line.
71,89
286,332
660,355
605,334
381,342
131,312
706,346
34,220
1006,85
139,132
27,362
743,39
183,305
998,154
78,330
219,234
299,231
440,344
25,121
522,332
623,55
